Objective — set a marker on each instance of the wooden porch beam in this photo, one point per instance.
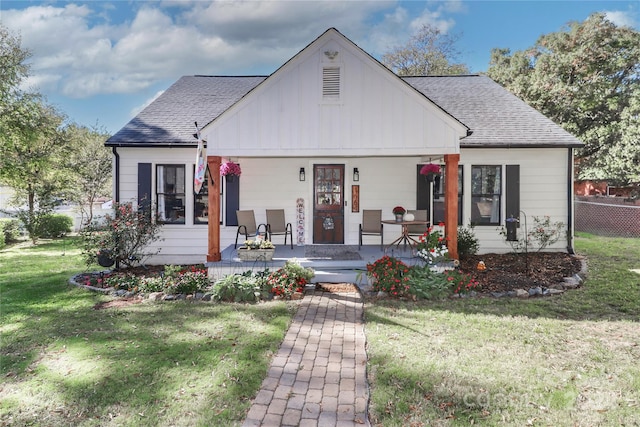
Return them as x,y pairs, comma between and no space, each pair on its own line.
213,238
451,203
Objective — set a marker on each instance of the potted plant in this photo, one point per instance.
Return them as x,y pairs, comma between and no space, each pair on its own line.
230,170
254,250
430,170
399,212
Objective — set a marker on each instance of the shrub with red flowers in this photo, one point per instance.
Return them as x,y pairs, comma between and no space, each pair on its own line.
389,275
432,246
291,278
460,283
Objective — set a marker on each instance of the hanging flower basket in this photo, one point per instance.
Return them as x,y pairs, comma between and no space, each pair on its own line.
430,171
230,170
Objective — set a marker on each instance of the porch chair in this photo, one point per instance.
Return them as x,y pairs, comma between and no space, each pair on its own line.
247,225
276,225
371,225
418,229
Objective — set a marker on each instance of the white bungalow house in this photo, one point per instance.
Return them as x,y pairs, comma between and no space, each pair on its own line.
333,132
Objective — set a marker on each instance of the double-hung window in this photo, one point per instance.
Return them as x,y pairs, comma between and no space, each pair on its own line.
170,193
486,193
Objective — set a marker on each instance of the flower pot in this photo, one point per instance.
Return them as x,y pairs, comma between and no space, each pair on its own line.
230,178
399,217
246,254
430,176
104,258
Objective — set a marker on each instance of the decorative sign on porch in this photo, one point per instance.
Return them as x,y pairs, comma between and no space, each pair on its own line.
300,221
355,198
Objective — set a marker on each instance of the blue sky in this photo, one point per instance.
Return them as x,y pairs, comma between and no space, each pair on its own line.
101,62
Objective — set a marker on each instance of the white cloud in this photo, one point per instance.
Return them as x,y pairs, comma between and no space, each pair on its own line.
622,19
80,51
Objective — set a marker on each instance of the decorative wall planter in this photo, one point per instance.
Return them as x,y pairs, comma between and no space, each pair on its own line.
255,254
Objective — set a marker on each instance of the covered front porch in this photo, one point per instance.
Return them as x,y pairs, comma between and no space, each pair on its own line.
327,268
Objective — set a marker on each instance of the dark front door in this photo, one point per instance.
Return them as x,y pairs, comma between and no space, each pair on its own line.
328,204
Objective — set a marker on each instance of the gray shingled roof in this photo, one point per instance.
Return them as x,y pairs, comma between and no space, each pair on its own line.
170,118
495,117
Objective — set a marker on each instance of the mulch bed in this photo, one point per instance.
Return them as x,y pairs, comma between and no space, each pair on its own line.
510,271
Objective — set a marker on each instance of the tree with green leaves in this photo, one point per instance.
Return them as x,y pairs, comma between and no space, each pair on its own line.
31,143
89,161
587,79
13,68
30,157
429,52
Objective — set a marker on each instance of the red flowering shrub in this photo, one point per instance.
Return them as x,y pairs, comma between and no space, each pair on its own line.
289,279
390,275
460,283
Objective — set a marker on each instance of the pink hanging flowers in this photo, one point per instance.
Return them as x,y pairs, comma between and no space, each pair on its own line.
230,168
430,168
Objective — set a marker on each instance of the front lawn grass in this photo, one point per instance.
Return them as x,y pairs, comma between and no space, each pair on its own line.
563,360
63,363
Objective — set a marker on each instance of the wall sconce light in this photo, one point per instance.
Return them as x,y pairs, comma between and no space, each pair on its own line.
301,174
356,174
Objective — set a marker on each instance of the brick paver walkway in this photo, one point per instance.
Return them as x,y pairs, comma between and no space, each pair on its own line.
318,378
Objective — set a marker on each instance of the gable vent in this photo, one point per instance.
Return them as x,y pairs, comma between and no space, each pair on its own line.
331,82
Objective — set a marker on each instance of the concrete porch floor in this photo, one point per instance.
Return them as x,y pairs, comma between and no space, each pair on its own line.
326,269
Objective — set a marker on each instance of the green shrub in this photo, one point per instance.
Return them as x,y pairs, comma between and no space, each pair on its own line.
53,226
424,283
188,281
128,282
151,284
245,287
2,238
467,241
10,230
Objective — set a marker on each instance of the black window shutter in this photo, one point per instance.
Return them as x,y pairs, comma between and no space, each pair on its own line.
144,186
512,196
232,195
422,191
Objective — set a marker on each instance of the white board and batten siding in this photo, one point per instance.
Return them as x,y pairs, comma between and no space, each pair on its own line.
375,113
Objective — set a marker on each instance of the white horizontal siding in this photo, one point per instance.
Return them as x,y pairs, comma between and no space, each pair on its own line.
543,189
272,183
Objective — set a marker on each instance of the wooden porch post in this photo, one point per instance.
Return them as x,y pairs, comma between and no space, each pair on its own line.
213,251
451,203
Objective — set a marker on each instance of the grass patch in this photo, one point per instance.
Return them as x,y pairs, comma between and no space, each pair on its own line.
178,363
566,360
